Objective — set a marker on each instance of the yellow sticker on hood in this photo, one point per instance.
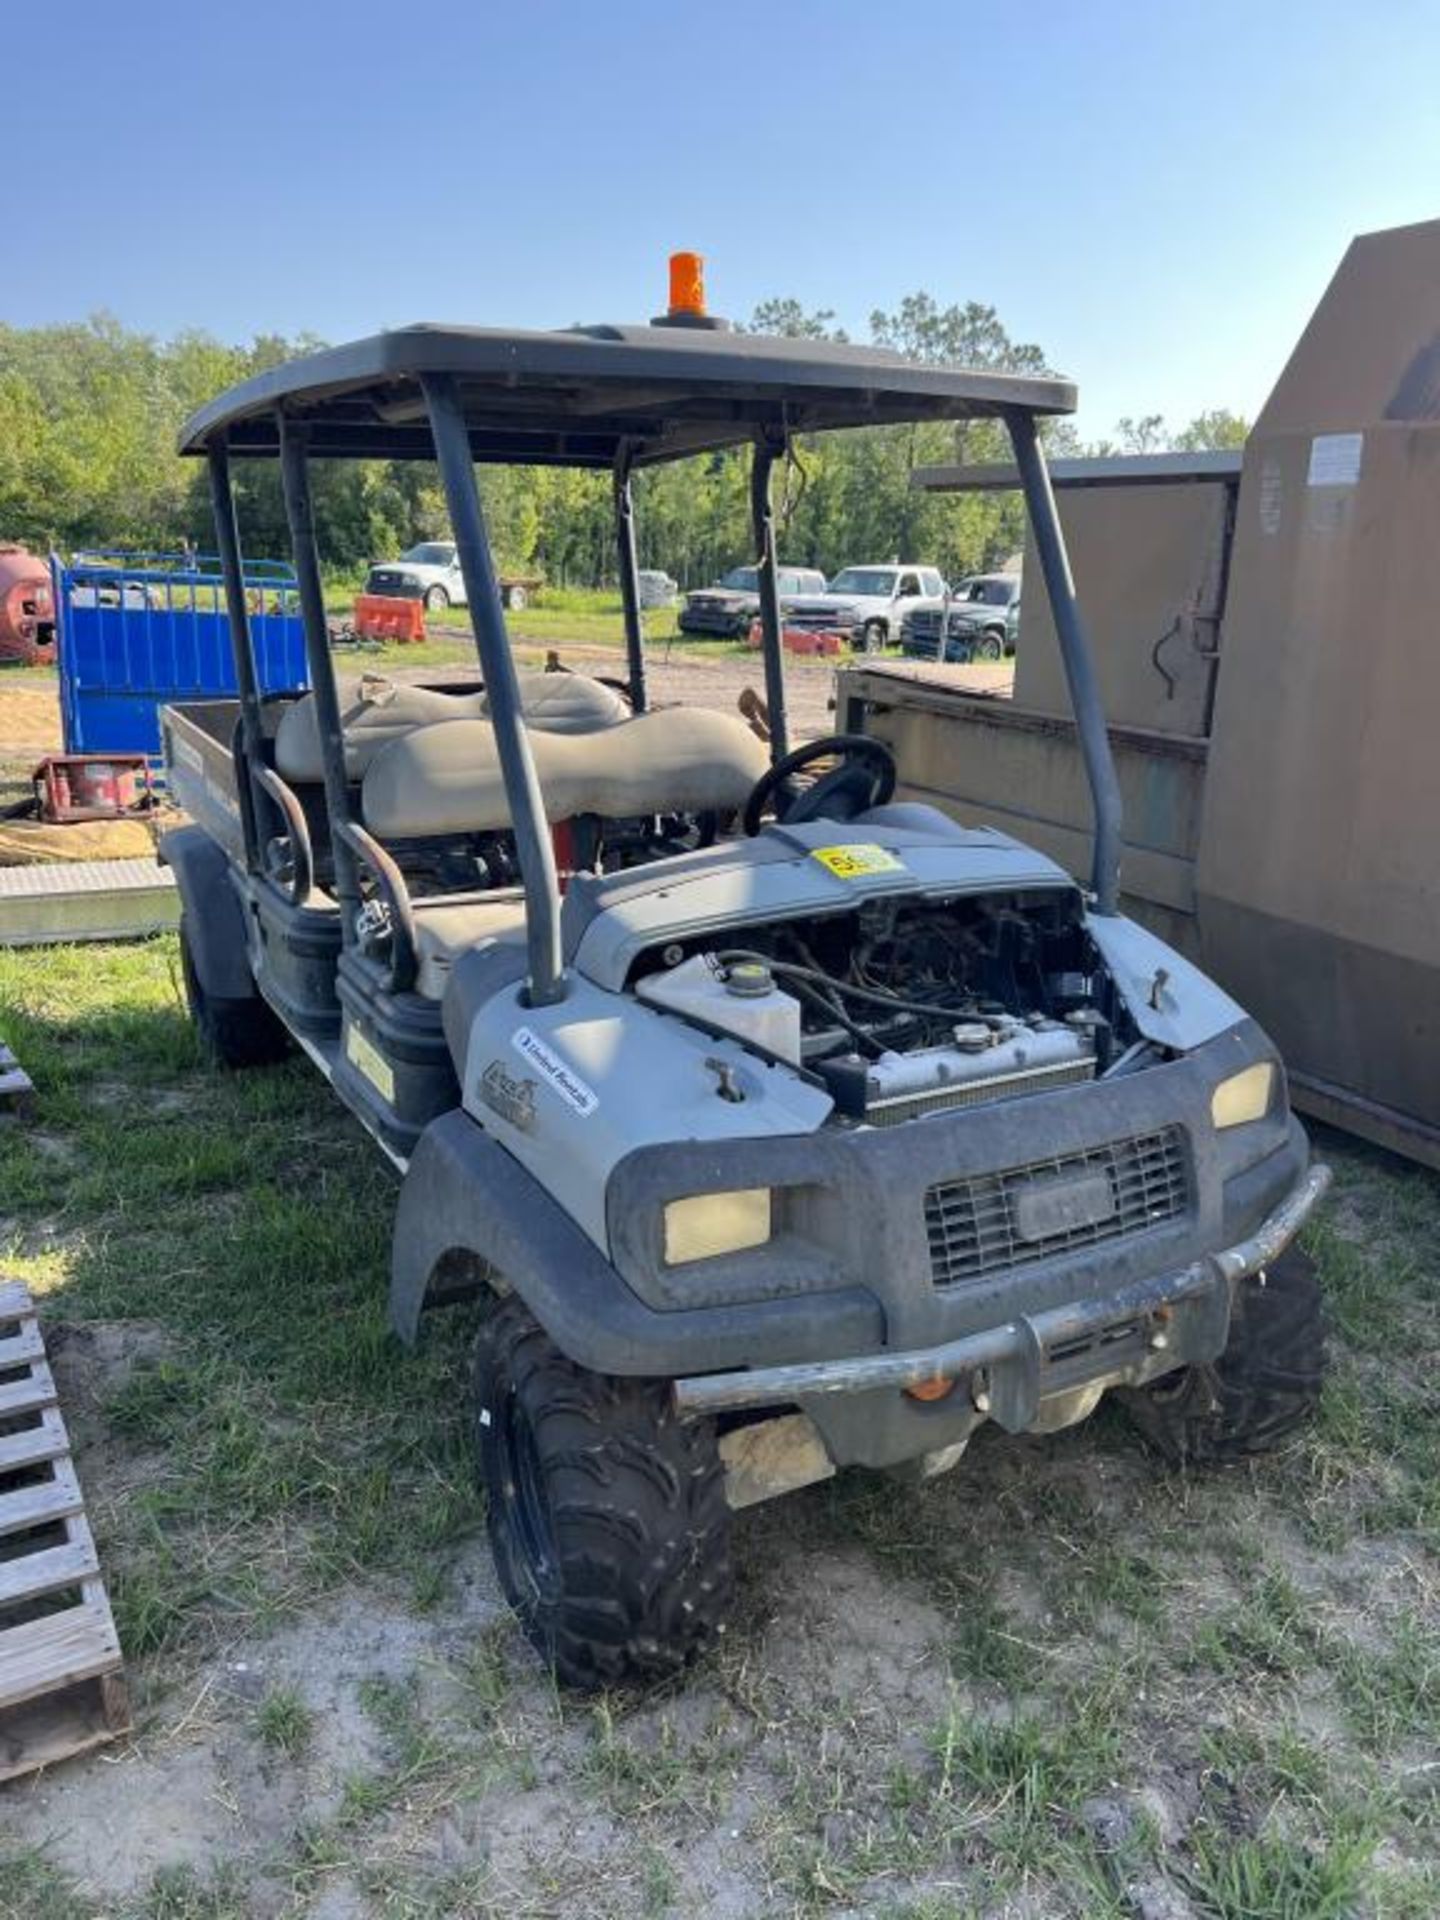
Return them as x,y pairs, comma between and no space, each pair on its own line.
850,863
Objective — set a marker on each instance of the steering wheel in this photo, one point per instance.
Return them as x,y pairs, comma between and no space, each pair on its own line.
865,778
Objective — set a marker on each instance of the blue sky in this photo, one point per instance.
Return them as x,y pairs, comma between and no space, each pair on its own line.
1156,193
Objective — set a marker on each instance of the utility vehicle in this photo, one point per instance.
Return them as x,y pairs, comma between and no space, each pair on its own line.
781,1125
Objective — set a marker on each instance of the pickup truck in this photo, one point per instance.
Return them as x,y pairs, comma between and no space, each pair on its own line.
981,620
868,603
727,610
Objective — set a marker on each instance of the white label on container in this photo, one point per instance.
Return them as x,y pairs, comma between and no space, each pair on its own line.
554,1072
1335,459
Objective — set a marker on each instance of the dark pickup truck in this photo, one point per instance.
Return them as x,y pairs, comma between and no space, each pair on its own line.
727,610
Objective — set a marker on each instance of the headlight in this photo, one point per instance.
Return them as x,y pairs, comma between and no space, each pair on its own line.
709,1223
1244,1096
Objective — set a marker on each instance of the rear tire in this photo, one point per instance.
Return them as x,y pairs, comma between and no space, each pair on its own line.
607,1514
1264,1385
231,1033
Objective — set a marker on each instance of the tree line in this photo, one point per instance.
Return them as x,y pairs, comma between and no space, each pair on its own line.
89,414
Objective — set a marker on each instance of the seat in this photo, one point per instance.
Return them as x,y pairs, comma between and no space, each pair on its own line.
374,711
446,779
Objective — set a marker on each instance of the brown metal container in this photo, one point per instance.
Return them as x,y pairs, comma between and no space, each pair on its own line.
1270,659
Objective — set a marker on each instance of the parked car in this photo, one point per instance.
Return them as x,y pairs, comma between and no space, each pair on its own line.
657,589
428,572
726,610
868,603
981,620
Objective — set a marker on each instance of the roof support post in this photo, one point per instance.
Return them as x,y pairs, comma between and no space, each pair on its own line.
629,567
546,983
232,568
762,515
1078,661
300,513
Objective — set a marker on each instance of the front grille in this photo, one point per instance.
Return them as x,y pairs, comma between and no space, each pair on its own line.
976,1227
818,619
393,586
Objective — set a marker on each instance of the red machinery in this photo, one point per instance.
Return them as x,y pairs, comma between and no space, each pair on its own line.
27,611
91,786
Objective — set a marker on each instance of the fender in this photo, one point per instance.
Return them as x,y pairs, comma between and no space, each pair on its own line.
214,922
470,1216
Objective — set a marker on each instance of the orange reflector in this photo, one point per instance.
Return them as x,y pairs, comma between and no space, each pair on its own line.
930,1389
687,283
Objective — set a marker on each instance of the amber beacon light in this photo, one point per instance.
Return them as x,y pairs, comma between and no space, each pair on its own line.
687,283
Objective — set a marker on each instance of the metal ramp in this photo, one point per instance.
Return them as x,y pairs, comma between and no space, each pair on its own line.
85,900
61,1689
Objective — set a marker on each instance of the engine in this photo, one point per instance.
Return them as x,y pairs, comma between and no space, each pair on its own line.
906,1007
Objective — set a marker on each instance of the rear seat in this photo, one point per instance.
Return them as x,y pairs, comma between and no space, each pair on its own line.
375,711
446,779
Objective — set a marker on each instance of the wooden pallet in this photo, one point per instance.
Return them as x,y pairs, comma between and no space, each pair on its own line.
17,1094
61,1689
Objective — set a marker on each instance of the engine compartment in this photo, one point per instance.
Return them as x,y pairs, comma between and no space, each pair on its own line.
903,1006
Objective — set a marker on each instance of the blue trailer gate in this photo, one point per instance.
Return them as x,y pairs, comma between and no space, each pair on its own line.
137,630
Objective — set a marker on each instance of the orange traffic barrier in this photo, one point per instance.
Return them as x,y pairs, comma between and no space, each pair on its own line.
381,616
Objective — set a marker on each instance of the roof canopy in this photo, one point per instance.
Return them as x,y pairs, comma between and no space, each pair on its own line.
577,397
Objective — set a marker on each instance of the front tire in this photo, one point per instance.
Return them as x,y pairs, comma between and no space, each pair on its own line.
874,635
607,1514
231,1033
1264,1385
990,646
437,600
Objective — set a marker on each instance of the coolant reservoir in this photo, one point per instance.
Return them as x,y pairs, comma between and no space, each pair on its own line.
745,1002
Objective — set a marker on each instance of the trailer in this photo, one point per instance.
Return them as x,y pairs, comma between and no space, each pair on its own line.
1264,642
138,629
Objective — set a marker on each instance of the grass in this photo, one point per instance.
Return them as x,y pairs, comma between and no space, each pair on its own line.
242,1219
1061,1681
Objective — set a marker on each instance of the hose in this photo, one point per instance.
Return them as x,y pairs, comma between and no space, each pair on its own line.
927,1010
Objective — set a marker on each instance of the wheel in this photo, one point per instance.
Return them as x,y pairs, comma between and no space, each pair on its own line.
436,599
990,645
873,636
1263,1386
232,1033
607,1512
517,599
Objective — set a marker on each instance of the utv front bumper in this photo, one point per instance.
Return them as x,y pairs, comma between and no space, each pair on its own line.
1144,1329
857,1285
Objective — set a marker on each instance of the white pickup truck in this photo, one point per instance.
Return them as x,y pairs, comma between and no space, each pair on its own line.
428,572
868,603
